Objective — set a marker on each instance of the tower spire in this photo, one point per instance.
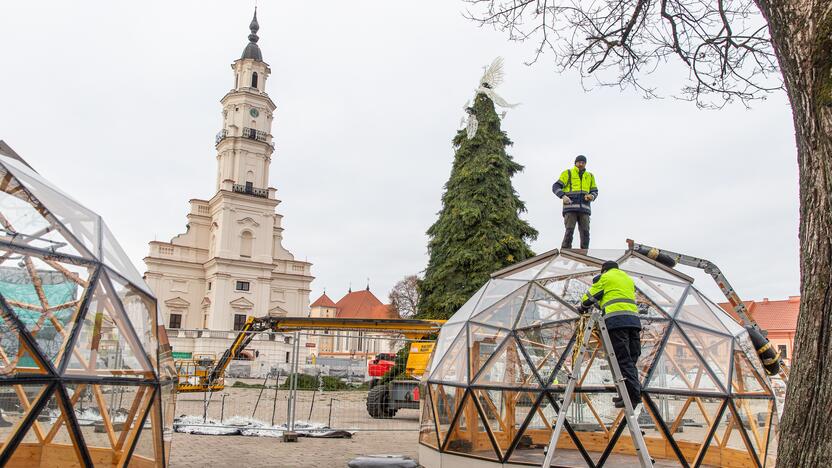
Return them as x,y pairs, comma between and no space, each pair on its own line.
252,50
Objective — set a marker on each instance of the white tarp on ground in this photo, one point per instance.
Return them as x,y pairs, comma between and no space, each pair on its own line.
239,425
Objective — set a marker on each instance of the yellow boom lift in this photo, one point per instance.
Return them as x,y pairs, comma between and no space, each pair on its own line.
203,373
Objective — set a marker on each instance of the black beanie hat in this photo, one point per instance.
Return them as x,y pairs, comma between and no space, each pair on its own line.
607,266
580,158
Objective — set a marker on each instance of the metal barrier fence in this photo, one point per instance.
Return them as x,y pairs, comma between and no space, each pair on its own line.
325,384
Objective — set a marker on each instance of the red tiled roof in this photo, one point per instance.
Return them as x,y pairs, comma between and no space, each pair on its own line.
772,315
323,301
358,304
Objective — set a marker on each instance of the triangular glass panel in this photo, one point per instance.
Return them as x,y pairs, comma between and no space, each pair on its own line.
508,368
141,311
503,313
106,345
545,345
745,379
447,335
688,419
108,414
148,448
453,368
534,439
658,445
446,400
714,348
464,312
17,404
563,265
679,368
756,417
25,223
496,290
647,309
74,217
695,310
542,307
469,435
733,325
45,295
16,357
483,342
570,290
596,370
595,417
114,257
428,434
665,294
728,446
34,442
633,264
505,411
528,272
652,335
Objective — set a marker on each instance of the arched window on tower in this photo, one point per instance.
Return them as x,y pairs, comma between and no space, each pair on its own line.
245,244
254,80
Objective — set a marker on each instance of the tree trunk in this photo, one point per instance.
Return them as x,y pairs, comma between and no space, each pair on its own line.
802,34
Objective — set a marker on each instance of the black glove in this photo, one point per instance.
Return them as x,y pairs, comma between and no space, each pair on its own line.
582,309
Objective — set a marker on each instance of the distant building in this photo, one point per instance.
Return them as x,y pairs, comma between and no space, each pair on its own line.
777,318
354,345
230,263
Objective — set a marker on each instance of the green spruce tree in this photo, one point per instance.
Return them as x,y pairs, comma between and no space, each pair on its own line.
479,229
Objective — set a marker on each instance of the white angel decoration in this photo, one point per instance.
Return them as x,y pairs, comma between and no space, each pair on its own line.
491,78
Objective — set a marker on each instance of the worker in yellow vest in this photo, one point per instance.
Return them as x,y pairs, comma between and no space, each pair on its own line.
576,187
615,294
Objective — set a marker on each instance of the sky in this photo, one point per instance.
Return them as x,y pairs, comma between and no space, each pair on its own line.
118,103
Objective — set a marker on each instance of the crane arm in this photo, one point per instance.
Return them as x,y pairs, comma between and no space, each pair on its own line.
410,328
708,267
770,359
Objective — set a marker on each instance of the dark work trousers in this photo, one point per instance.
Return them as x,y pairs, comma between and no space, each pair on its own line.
626,343
569,220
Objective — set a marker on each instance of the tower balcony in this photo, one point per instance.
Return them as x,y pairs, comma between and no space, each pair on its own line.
249,133
220,136
250,190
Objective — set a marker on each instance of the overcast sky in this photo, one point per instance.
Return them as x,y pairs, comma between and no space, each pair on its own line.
117,103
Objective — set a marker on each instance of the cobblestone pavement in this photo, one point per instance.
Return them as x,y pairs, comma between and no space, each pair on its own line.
192,451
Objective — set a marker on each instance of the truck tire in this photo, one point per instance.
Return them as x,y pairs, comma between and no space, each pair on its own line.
377,404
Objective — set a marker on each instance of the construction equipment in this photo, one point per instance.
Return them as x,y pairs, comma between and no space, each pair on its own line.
771,360
585,328
203,373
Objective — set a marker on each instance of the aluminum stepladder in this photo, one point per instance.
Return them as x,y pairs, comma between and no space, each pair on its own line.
629,413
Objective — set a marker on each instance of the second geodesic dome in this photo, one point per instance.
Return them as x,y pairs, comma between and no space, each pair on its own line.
83,379
501,364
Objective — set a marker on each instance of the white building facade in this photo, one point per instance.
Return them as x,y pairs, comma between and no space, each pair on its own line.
230,263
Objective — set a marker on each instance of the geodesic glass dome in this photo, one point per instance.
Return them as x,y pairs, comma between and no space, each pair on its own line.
501,365
82,378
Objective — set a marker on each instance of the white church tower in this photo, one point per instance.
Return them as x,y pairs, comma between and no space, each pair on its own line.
230,263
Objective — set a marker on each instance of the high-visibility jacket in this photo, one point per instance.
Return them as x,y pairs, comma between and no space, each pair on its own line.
576,185
615,293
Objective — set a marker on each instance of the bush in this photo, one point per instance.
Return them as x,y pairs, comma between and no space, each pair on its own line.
310,382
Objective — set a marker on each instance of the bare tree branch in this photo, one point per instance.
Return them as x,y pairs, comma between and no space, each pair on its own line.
725,43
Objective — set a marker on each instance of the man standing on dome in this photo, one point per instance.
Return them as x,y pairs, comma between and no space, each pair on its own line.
615,294
576,187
